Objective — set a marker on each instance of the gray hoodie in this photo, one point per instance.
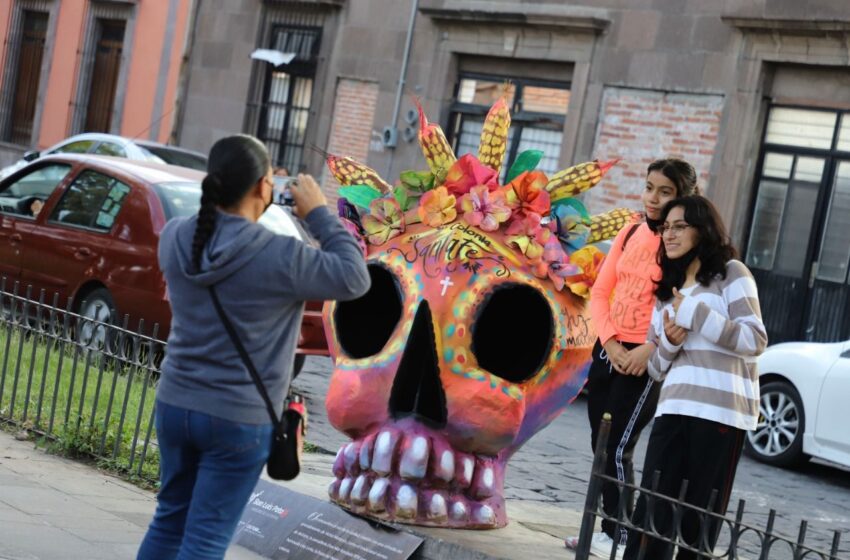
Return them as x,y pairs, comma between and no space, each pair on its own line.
262,280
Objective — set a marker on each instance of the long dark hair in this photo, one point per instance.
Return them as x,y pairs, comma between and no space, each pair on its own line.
681,173
235,165
714,247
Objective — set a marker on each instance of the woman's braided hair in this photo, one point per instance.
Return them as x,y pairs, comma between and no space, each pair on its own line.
235,165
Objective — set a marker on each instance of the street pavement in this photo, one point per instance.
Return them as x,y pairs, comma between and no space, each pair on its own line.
554,465
52,508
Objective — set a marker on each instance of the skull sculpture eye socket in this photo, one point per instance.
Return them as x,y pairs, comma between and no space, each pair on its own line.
512,333
365,325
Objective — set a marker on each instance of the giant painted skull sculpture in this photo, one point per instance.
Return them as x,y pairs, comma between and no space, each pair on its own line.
472,337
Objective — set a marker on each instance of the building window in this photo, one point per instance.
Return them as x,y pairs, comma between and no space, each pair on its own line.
798,248
287,95
104,77
538,110
29,71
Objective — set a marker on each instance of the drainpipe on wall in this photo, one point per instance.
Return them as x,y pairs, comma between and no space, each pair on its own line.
400,90
183,80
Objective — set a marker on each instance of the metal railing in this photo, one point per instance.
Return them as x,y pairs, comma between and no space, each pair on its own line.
83,384
732,531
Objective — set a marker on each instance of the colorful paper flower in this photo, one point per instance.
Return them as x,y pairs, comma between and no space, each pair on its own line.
484,209
526,234
468,172
384,221
554,264
589,260
437,207
570,226
527,193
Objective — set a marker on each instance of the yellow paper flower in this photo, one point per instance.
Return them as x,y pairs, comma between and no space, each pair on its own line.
384,221
589,259
437,207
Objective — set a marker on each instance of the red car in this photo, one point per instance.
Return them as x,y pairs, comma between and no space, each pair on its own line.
87,227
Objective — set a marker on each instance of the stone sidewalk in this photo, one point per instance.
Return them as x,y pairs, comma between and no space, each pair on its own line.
53,508
56,508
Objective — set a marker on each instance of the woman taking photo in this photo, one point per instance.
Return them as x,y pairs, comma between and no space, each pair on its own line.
213,429
707,330
621,304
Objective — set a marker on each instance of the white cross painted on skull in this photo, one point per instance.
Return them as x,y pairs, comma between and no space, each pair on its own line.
445,283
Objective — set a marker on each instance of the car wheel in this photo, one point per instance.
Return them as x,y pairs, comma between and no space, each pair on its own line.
97,307
778,437
297,365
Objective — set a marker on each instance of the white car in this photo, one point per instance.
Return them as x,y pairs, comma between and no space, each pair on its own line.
117,146
804,408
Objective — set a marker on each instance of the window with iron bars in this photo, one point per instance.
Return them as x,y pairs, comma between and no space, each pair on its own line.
538,111
25,57
288,94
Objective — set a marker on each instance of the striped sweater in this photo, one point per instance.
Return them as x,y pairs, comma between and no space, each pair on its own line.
713,374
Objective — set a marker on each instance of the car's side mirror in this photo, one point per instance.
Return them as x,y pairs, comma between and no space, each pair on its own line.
31,155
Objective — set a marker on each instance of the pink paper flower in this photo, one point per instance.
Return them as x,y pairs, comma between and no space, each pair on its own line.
554,264
527,235
484,209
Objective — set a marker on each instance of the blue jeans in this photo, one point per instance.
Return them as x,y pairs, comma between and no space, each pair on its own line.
209,466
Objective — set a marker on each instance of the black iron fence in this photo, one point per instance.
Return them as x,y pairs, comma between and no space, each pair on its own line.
735,539
81,383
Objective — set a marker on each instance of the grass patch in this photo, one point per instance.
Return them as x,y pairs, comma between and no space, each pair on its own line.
82,403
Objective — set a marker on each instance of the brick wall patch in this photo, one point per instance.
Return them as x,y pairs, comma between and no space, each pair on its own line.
351,129
640,126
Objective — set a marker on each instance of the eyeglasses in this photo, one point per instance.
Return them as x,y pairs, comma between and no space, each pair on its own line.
675,229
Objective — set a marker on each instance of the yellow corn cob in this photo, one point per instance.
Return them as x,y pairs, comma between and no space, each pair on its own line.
351,172
608,225
435,147
577,179
494,135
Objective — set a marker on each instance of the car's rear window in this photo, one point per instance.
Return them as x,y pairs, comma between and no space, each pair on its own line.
178,157
179,199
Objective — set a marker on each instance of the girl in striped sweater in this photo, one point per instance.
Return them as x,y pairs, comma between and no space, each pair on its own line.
707,330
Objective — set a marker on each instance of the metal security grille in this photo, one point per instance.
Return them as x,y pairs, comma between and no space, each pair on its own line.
25,50
100,64
538,112
279,112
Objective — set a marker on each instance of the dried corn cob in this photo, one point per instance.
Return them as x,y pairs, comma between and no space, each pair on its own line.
435,147
608,225
494,135
351,172
577,179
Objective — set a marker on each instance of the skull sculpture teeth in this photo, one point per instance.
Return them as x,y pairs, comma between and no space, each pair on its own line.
470,340
407,472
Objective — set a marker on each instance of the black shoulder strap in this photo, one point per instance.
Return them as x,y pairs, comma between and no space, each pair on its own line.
630,234
246,359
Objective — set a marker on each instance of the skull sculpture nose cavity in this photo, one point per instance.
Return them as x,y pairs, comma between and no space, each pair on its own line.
417,390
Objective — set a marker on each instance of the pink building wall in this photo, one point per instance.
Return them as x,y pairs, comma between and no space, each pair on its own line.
144,57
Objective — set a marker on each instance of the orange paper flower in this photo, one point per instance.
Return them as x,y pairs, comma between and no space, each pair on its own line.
437,207
527,193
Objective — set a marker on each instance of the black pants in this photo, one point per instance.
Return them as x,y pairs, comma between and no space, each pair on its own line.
703,452
631,401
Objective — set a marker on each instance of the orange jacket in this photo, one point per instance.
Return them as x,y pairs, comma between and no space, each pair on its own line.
623,295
